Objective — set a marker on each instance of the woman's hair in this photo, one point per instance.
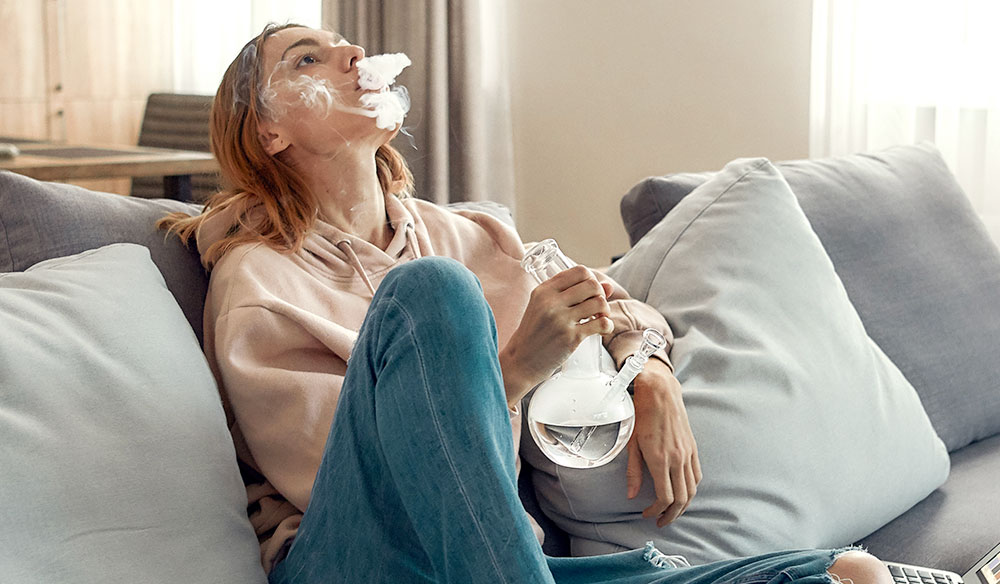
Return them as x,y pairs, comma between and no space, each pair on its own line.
252,178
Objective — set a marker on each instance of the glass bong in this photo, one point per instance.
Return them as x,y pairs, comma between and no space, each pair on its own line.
583,416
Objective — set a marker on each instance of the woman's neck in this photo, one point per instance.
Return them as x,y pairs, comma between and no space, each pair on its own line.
349,195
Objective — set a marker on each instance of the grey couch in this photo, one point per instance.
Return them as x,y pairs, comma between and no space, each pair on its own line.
921,271
924,277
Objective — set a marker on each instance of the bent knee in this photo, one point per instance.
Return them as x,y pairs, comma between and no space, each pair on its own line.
432,273
859,567
437,289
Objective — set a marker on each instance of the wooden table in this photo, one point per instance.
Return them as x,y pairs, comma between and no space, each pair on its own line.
59,161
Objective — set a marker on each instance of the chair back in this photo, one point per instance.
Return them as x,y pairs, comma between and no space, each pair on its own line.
180,122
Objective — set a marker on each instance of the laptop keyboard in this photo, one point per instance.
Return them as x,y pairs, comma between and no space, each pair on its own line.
906,574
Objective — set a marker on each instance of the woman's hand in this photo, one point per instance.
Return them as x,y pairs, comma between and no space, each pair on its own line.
662,439
551,328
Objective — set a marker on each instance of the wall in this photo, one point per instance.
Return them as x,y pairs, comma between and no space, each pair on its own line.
606,93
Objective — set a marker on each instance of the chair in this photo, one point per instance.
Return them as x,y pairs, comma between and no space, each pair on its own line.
180,122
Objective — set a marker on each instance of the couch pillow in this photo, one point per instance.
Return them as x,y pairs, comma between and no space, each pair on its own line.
41,220
916,261
117,462
808,435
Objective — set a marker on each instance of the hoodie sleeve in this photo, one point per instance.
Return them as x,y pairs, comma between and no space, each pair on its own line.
282,386
631,317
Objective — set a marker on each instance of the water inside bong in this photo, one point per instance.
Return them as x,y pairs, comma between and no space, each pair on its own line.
571,417
567,445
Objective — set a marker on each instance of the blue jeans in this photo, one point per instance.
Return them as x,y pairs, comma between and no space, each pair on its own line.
417,483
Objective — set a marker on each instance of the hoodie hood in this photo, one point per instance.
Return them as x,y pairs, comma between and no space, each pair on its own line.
331,250
214,228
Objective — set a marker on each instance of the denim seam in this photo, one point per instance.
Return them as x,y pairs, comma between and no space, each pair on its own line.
759,577
444,446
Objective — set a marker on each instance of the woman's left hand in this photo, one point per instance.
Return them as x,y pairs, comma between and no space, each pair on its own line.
663,441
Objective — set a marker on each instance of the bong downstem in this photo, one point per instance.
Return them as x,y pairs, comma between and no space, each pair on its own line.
652,341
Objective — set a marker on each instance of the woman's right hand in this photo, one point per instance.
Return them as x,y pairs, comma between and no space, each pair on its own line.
551,328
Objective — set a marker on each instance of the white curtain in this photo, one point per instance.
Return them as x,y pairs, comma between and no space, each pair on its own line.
209,35
891,72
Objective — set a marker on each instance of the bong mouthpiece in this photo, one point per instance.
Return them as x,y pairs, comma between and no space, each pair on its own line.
545,260
652,341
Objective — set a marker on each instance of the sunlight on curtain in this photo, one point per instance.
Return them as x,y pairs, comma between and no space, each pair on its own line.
891,72
209,35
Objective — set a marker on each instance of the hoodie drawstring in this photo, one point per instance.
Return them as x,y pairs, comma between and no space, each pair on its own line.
411,240
345,246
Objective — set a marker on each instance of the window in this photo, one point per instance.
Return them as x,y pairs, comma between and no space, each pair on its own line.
890,72
203,49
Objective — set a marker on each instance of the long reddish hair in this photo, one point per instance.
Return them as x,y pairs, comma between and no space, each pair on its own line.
284,206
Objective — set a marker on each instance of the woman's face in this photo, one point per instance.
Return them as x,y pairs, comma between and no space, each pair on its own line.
311,94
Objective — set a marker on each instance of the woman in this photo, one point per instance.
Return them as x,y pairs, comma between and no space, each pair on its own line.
318,303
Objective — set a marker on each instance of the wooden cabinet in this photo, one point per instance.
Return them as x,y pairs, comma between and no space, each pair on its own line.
80,70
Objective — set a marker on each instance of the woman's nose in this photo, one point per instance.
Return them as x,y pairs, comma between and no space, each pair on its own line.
350,55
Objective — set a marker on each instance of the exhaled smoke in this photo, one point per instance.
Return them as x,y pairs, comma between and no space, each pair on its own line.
377,73
388,106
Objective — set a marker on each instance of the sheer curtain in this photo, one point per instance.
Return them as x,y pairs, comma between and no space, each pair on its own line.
209,35
891,72
460,144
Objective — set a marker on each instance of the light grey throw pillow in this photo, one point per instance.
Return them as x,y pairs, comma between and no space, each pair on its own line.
808,435
117,462
917,263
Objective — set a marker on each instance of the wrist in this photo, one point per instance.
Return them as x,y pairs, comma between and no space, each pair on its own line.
656,377
516,385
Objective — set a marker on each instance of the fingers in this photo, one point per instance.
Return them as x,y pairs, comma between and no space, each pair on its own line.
595,306
674,492
576,296
692,484
568,278
681,498
685,482
599,326
664,499
583,291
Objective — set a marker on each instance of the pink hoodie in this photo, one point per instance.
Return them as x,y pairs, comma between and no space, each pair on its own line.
279,328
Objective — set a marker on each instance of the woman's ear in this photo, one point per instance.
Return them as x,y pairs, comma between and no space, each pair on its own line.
272,142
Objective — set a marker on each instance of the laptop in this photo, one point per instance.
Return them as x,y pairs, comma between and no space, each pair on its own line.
985,571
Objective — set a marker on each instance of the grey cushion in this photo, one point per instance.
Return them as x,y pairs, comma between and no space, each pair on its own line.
42,220
117,462
916,261
956,524
808,435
